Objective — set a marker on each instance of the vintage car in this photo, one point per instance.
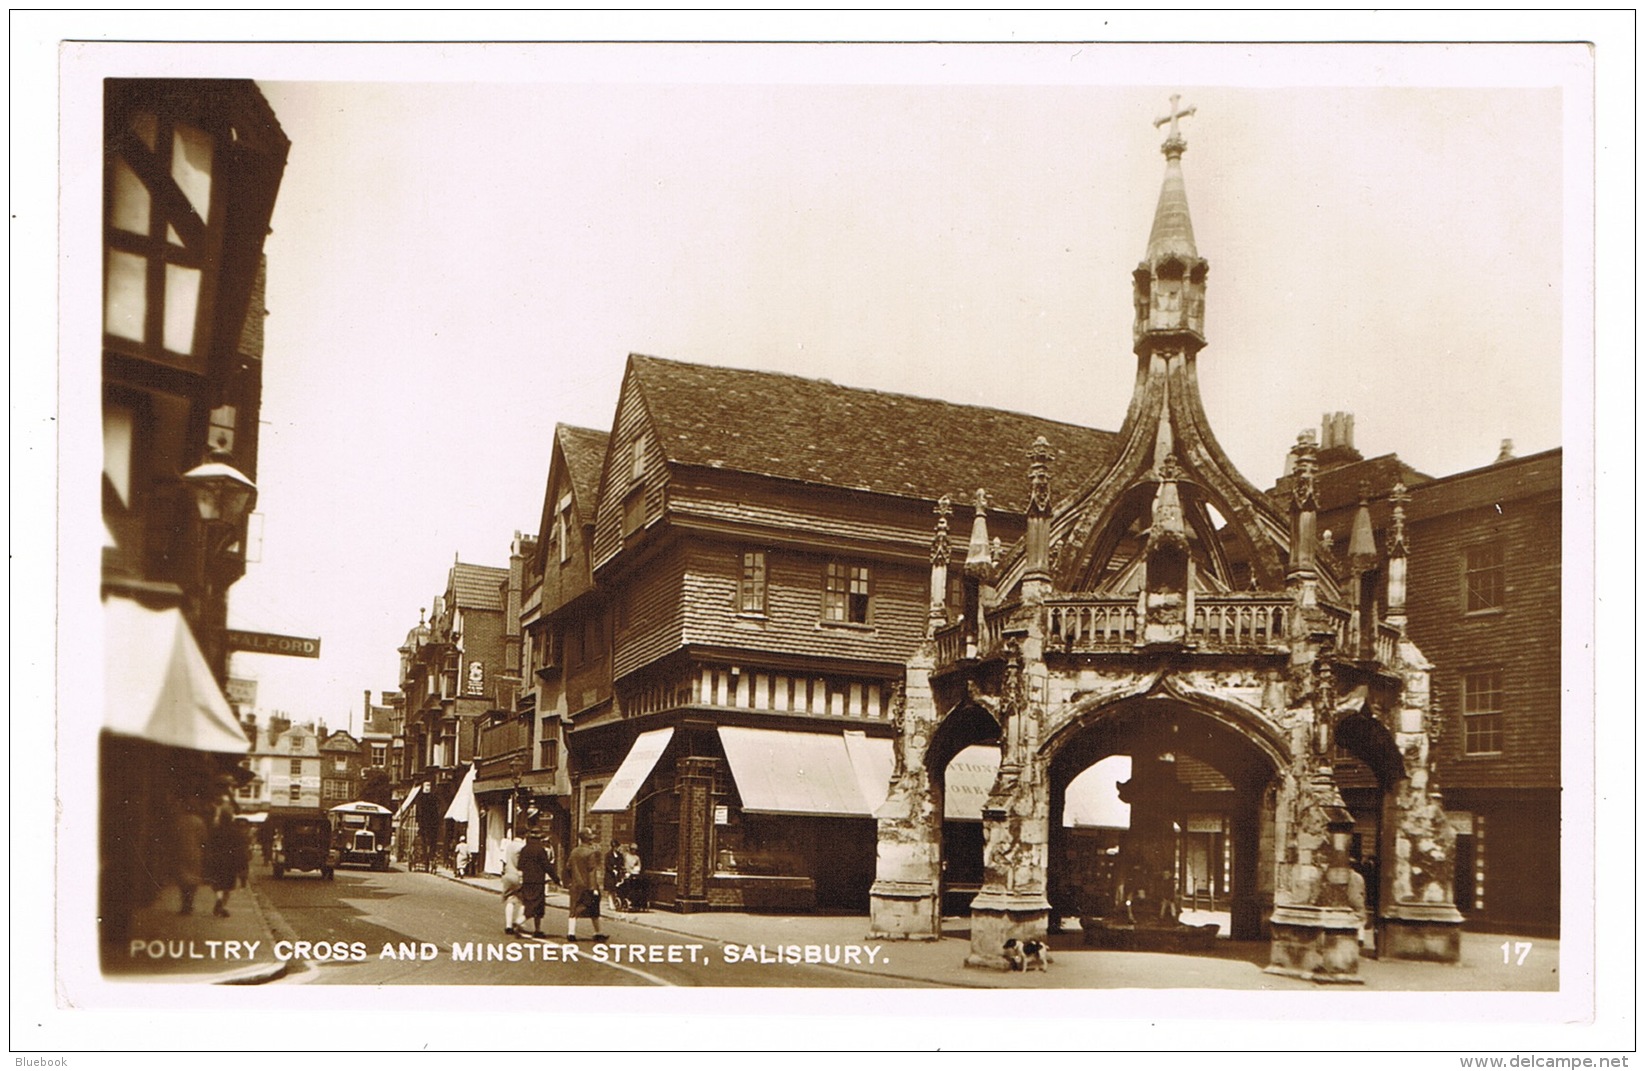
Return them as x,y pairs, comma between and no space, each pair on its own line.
303,842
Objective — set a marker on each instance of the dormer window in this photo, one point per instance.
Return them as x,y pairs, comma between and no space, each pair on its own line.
751,583
845,594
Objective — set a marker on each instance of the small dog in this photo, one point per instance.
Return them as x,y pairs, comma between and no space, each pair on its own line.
1027,955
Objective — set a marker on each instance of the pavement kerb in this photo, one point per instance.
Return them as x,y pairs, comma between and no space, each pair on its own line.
262,972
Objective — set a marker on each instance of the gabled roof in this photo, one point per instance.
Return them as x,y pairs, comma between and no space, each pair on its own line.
340,740
477,587
812,430
584,450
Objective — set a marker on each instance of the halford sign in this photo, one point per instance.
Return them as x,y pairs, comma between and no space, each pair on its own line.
269,643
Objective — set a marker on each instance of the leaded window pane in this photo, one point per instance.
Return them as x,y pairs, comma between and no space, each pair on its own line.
126,297
182,305
191,167
130,211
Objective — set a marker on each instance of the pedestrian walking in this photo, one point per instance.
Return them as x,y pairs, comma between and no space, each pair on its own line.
188,854
227,854
533,864
513,902
585,878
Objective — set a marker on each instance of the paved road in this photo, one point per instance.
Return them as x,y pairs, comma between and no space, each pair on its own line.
367,928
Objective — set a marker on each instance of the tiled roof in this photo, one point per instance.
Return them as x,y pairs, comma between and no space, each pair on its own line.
477,587
584,450
1513,478
1339,487
813,430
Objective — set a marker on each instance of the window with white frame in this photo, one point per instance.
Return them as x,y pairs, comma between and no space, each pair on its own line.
1484,578
1482,714
751,583
845,593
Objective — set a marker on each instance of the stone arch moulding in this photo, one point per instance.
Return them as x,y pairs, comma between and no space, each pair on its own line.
967,722
1230,713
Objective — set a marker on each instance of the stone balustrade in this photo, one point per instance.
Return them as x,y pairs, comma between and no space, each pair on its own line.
1387,643
1240,620
1093,623
949,642
1086,623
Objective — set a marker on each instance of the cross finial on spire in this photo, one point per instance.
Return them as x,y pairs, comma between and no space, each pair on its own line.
1172,116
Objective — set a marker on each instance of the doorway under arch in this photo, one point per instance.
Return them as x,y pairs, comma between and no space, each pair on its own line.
957,745
1192,772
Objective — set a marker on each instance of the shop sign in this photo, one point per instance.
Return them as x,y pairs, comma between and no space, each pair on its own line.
270,643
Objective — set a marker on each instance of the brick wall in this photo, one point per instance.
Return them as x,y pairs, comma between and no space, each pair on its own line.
1521,639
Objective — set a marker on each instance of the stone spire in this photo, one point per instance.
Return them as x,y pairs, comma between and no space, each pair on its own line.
979,556
1305,505
1169,284
1396,557
1173,230
1036,541
1362,561
941,551
1362,543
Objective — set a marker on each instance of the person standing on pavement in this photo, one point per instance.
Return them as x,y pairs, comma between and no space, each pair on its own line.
633,889
534,865
585,878
614,874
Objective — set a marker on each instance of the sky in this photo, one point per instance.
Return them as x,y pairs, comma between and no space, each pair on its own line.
468,243
455,268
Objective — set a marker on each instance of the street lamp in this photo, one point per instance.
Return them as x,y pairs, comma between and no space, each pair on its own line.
516,768
223,498
222,493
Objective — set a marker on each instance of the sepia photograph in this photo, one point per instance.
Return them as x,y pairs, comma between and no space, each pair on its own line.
1025,528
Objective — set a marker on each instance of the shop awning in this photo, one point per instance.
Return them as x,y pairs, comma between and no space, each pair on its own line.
637,766
805,773
872,761
1090,799
462,804
157,686
405,804
464,809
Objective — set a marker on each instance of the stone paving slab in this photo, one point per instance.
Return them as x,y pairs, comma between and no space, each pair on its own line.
195,948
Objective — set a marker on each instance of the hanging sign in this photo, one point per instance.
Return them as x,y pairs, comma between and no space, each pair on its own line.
269,643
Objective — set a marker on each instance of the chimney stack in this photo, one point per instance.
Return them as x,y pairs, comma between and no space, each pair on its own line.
1337,440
